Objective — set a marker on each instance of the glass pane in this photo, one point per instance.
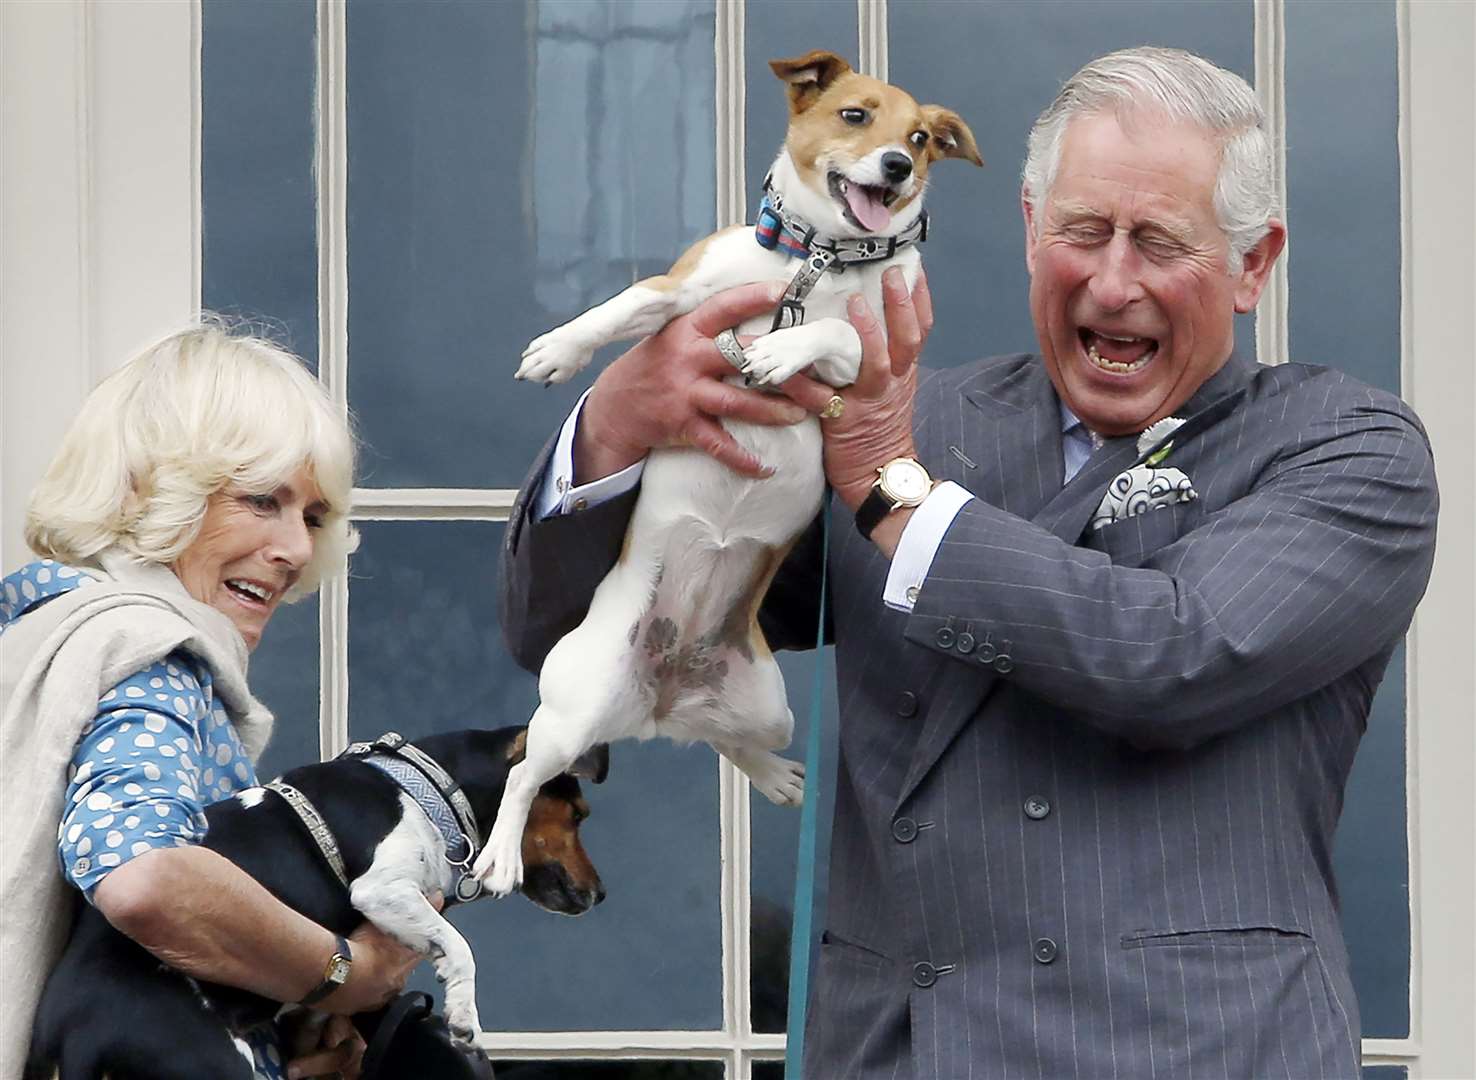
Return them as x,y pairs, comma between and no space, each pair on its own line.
768,1070
609,1070
259,239
426,655
1342,163
284,677
510,165
775,832
974,253
1372,1072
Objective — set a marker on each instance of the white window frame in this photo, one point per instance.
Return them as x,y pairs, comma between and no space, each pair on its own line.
100,144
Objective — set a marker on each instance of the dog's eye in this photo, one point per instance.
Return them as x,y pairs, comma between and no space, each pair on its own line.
855,117
918,139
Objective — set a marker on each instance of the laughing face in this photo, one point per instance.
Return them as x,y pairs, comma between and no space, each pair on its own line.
1130,287
251,549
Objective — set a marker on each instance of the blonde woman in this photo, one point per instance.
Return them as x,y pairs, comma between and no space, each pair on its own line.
202,485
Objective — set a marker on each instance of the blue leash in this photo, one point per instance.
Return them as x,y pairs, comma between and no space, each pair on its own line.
804,878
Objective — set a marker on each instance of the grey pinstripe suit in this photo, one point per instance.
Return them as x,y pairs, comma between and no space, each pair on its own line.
1088,786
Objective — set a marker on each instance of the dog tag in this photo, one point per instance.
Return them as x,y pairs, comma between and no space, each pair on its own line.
468,888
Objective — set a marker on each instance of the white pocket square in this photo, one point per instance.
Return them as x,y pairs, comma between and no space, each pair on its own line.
1140,489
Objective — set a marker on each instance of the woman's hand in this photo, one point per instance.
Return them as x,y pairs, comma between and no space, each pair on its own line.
325,1046
378,972
669,391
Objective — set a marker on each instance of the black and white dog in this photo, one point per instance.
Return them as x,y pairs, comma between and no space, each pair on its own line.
399,820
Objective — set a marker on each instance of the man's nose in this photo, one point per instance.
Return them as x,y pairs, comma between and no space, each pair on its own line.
1115,283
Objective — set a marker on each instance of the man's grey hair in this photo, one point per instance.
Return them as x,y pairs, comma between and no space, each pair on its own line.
1181,86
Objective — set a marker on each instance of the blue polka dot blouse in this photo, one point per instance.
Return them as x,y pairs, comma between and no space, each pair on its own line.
159,750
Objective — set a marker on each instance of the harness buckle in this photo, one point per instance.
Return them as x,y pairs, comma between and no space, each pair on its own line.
790,313
389,742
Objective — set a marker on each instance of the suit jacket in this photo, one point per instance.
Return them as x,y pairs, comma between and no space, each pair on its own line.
1088,786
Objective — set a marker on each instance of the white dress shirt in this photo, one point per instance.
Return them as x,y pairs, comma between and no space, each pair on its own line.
915,549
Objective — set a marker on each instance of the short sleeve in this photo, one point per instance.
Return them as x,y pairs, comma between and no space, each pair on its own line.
136,777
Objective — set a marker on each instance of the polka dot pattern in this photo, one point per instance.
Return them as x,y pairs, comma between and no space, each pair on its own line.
138,781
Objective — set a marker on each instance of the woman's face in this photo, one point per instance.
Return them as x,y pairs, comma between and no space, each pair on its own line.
251,549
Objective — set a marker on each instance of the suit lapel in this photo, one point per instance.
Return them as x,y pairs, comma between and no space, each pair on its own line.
1015,441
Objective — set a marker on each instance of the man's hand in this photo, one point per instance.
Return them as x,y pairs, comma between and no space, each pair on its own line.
877,423
669,391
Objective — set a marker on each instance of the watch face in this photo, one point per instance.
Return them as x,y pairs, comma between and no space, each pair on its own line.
906,481
339,970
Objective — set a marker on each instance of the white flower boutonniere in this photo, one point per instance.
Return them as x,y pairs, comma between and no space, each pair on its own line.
1149,486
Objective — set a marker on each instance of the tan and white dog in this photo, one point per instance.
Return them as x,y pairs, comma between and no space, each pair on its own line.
671,645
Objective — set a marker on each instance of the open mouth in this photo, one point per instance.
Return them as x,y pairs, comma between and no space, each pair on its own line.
1115,354
867,206
251,593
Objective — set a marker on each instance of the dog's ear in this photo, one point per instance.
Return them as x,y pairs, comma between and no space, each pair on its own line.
951,137
808,76
592,765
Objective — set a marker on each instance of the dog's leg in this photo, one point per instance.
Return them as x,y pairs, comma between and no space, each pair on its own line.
831,345
549,752
642,309
778,779
396,905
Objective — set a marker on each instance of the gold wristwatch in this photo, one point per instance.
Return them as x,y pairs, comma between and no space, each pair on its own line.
901,482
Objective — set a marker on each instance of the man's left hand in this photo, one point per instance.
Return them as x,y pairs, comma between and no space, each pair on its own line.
876,424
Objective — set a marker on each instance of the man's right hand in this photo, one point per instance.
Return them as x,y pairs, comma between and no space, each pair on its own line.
669,391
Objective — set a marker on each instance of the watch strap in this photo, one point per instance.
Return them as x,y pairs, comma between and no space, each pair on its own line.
873,508
341,952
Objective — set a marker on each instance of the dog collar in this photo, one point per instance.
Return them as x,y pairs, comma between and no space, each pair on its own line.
421,777
778,230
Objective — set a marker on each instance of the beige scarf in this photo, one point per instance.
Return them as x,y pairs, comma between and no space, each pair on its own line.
56,661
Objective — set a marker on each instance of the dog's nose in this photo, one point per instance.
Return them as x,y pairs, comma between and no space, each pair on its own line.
898,167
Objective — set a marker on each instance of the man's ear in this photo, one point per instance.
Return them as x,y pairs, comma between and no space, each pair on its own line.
809,76
1029,212
1255,268
951,137
592,765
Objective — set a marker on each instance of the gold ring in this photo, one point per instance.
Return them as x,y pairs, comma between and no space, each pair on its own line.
833,408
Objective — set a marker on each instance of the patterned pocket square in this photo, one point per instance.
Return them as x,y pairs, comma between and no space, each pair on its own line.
1140,489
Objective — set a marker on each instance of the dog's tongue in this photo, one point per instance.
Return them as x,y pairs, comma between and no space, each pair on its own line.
868,208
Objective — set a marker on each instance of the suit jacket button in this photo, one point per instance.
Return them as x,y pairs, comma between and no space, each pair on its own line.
1045,950
907,703
966,643
1003,664
1036,807
904,830
924,975
944,637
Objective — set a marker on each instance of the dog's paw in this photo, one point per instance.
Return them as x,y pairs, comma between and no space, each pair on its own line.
500,865
464,1023
555,357
778,779
775,357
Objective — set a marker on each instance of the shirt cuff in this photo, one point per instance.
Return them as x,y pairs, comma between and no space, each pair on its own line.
558,495
919,543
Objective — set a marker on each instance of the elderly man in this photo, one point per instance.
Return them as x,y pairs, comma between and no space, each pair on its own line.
1103,678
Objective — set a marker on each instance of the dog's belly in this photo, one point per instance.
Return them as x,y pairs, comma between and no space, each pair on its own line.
671,637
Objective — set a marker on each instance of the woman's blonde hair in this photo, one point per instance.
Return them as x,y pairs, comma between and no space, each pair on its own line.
204,408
